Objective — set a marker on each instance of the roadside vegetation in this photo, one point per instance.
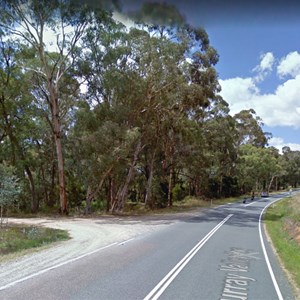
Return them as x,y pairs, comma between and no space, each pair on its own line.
187,204
15,239
283,225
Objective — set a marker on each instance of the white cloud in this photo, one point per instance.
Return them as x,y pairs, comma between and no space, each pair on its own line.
265,66
279,143
289,65
280,108
267,61
238,92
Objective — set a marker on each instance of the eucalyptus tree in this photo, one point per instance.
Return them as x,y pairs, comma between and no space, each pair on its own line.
162,118
275,169
257,167
291,163
101,149
17,116
195,77
130,76
103,118
33,22
220,146
150,85
250,130
135,79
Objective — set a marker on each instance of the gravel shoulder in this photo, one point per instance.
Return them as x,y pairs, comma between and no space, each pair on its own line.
88,235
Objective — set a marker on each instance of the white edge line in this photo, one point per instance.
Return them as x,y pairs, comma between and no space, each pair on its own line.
165,282
54,267
265,252
125,242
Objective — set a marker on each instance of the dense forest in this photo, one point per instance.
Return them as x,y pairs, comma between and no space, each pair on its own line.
94,114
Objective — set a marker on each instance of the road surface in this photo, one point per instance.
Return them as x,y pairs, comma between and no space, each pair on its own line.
219,253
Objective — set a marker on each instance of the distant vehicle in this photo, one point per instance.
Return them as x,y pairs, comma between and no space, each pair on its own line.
264,194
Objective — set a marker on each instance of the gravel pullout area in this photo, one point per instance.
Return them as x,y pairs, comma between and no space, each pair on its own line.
87,236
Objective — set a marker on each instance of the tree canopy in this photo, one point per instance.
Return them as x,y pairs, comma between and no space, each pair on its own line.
97,115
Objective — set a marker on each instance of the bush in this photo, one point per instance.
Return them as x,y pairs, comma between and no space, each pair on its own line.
179,192
9,189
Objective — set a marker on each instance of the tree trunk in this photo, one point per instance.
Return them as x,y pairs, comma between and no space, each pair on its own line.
270,184
88,200
46,190
122,193
58,146
109,194
91,195
170,189
61,175
34,201
148,197
52,196
221,186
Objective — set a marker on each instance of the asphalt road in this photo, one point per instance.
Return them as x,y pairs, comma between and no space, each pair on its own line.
220,253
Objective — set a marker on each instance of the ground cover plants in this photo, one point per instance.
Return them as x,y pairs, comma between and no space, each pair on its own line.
17,238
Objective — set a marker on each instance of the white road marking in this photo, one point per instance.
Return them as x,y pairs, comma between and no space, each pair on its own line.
125,242
166,281
266,255
54,267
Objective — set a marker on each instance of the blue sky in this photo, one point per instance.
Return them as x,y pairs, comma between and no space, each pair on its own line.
259,67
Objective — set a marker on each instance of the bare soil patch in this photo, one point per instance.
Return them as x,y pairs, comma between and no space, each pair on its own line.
293,229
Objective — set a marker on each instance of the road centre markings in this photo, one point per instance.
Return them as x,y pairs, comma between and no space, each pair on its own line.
166,281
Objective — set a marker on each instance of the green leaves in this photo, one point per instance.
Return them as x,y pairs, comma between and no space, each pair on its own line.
257,166
9,186
132,111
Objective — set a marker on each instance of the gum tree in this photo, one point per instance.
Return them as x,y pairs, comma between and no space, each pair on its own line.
33,22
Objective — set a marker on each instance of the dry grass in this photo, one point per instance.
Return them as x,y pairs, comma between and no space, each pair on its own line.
283,223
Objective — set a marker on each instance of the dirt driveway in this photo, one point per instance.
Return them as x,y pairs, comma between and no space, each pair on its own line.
88,236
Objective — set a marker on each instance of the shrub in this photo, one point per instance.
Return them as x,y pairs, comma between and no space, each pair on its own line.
9,188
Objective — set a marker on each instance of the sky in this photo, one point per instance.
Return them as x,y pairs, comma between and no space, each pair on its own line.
259,66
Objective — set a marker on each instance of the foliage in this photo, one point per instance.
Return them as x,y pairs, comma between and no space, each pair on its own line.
122,114
179,192
9,188
257,167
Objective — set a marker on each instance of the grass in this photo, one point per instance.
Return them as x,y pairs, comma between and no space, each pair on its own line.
185,205
18,238
282,222
192,202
